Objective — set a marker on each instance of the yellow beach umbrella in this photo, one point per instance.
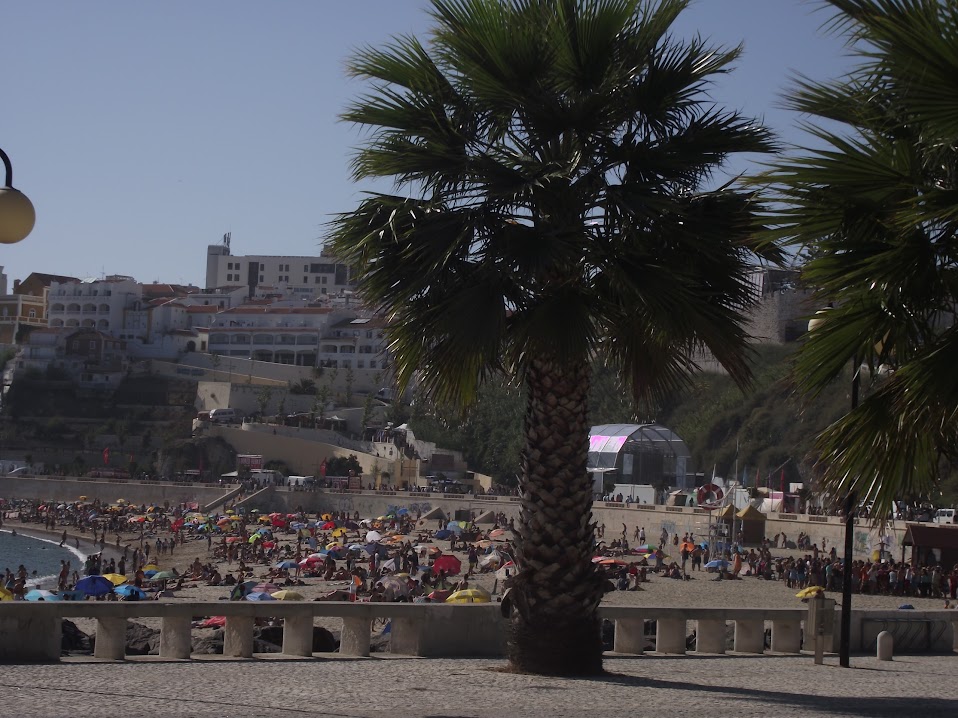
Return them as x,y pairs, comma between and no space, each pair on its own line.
338,532
470,595
810,592
289,596
115,578
151,567
5,595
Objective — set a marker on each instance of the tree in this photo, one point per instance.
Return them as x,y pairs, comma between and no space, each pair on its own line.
263,399
303,386
548,158
875,202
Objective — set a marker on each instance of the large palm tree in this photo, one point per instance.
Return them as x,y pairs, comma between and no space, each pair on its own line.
548,157
876,202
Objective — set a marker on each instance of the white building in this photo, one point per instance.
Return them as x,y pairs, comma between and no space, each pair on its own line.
298,276
95,304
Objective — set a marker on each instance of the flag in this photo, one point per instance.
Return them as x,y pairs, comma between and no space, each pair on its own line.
757,477
783,481
106,455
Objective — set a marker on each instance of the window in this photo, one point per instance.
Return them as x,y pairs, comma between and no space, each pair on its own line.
305,280
261,278
305,267
360,364
33,313
92,344
5,311
324,280
322,268
372,364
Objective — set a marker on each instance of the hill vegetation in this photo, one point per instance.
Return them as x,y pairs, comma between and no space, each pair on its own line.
767,427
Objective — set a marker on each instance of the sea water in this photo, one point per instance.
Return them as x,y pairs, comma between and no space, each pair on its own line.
40,556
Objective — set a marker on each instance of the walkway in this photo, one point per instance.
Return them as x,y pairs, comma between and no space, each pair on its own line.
407,687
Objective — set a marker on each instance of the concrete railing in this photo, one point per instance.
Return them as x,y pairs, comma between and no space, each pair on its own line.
32,631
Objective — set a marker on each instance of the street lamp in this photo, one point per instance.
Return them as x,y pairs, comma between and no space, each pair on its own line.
844,645
16,211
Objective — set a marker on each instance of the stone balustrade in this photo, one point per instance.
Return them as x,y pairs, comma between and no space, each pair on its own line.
32,631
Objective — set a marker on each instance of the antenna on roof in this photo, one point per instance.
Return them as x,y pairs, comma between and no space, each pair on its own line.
226,239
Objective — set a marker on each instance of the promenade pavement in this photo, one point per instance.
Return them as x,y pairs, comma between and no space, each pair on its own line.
717,687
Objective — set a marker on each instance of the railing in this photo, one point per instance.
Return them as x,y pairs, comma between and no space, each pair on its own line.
32,631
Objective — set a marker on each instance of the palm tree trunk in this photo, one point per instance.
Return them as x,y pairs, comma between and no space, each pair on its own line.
554,597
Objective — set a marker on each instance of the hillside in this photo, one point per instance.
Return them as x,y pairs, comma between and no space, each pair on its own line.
773,428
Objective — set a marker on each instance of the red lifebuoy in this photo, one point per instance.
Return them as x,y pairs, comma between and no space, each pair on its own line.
708,490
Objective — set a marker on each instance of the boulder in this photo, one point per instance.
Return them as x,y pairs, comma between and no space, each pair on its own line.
209,645
141,641
74,640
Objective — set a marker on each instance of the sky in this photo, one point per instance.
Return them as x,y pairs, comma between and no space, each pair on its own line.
143,132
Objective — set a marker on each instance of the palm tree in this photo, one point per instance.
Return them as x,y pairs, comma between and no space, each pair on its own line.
547,158
875,203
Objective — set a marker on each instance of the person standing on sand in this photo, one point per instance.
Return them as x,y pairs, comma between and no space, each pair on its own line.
63,538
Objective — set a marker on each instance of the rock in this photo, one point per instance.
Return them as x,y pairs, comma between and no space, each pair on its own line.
269,634
74,640
324,641
141,641
209,645
379,643
261,646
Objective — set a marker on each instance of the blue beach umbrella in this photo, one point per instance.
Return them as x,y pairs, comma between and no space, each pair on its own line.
287,564
717,563
95,586
41,595
127,590
259,596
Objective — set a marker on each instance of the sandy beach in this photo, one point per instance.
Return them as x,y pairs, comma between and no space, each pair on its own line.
702,590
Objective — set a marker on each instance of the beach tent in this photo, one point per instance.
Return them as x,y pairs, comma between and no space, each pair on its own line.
490,560
753,524
448,563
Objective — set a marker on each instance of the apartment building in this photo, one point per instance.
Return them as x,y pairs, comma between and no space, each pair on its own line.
288,275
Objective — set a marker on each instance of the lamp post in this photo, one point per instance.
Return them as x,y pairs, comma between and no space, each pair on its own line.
17,215
844,645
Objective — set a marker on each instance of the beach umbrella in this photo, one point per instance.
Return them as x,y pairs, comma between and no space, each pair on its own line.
327,517
810,592
351,525
373,536
402,512
213,622
163,576
613,562
287,564
440,595
442,534
95,586
455,527
121,501
490,559
5,595
506,570
470,595
497,533
328,525
448,563
391,565
398,586
268,544
254,538
127,590
267,587
40,595
717,563
289,596
333,546
151,567
297,525
687,546
340,532
115,578
224,522
259,596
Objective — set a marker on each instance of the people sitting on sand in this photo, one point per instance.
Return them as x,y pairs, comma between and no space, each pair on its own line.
215,579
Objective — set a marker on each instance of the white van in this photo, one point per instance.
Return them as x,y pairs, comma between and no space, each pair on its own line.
226,416
945,516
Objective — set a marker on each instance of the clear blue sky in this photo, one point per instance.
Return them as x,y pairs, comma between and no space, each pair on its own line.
144,131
